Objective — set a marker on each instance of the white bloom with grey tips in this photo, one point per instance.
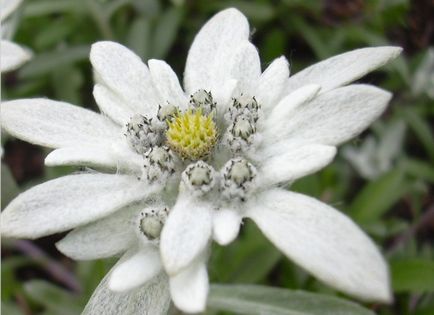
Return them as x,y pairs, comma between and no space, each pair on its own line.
282,129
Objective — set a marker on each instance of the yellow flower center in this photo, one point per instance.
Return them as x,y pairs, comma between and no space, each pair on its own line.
192,134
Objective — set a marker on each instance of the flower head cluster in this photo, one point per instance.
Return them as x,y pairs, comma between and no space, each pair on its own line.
189,164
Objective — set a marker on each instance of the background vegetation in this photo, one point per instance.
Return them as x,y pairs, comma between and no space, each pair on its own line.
383,180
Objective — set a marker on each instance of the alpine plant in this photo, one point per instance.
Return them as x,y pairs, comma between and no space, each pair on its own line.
171,169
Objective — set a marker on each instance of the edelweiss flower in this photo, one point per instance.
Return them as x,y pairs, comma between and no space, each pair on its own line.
190,164
12,55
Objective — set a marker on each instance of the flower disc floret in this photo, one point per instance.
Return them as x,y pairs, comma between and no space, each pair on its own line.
238,179
158,164
151,222
199,178
141,133
244,106
203,99
166,112
192,135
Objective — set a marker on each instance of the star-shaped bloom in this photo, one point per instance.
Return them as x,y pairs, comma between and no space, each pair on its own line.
12,55
189,164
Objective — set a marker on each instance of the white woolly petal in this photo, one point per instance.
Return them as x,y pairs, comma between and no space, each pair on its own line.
282,112
246,67
224,94
104,157
207,61
333,117
186,233
296,163
70,201
56,124
136,270
101,239
12,56
7,7
189,289
343,69
226,225
112,105
153,297
167,84
324,242
272,82
125,74
89,156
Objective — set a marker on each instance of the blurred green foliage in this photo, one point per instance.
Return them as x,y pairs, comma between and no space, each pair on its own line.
396,208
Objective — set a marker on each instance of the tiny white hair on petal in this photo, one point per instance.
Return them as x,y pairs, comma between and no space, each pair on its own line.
101,239
333,117
245,67
226,225
136,270
153,297
271,83
167,84
189,288
124,73
186,233
207,65
7,7
343,69
112,105
12,55
223,94
56,124
294,164
281,113
324,242
70,201
96,156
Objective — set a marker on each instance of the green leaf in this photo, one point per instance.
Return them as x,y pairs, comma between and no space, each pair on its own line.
51,61
255,10
419,169
249,259
415,275
259,300
10,309
54,33
257,265
56,300
91,273
47,7
273,45
165,32
378,196
312,37
67,92
8,267
422,130
386,228
9,187
139,37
